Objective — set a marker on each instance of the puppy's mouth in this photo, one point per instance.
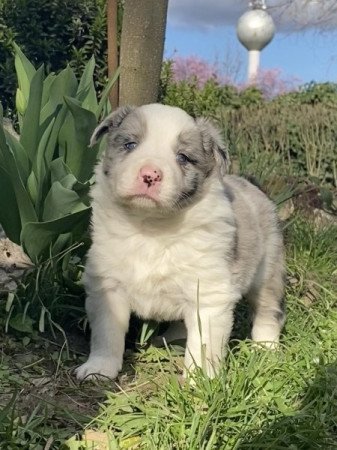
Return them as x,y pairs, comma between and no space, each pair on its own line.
144,200
145,196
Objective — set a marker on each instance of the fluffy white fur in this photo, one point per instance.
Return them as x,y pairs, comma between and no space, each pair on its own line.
166,262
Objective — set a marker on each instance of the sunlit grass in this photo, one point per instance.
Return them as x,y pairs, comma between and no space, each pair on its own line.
261,399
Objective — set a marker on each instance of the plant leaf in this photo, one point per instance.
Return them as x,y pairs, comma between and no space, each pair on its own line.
23,200
37,237
60,202
3,140
63,84
32,187
39,165
31,120
86,92
74,140
20,154
58,169
22,322
25,71
20,102
46,89
105,93
9,213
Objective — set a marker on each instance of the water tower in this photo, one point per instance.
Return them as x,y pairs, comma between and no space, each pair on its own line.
255,29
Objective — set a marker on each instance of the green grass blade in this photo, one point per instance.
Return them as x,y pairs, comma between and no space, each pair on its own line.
5,411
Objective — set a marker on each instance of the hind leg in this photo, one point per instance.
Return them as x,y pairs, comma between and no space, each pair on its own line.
268,310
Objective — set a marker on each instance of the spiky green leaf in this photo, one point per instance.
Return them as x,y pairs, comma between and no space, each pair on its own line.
38,237
60,202
30,134
74,140
86,92
105,94
9,211
25,71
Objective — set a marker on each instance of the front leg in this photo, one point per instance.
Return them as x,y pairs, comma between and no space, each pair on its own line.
208,331
108,312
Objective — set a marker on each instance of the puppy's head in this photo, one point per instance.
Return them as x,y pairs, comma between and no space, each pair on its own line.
158,157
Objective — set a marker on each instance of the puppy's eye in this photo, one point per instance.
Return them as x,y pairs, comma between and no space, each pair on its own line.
130,146
182,159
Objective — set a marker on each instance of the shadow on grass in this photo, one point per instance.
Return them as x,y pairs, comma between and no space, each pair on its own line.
41,402
313,426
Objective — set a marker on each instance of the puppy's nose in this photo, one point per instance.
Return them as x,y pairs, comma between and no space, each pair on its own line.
150,175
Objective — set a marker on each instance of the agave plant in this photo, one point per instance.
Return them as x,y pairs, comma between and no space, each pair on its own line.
47,168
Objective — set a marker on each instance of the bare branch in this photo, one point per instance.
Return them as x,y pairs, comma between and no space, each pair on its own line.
300,14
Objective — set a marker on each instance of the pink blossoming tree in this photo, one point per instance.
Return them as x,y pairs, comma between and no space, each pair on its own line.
271,82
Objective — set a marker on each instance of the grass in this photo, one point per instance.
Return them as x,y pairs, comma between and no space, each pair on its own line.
261,400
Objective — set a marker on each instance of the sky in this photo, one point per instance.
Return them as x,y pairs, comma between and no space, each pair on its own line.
304,46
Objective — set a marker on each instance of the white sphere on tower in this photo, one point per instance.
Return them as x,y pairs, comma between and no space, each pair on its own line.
255,29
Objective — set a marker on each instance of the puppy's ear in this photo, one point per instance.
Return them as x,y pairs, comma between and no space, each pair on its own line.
214,145
112,121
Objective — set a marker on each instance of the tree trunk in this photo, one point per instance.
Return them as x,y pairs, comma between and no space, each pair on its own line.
142,46
112,8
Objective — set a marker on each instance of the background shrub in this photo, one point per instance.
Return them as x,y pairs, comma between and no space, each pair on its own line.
303,135
53,33
298,128
46,171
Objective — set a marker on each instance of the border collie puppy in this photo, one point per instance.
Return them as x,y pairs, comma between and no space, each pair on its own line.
176,238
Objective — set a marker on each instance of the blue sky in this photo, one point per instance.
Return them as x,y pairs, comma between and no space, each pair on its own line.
309,55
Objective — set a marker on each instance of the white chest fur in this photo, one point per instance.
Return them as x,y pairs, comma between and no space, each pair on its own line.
162,265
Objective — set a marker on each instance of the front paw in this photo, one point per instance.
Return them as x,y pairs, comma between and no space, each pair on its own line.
99,365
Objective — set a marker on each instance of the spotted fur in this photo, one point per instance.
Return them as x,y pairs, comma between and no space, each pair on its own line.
191,254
